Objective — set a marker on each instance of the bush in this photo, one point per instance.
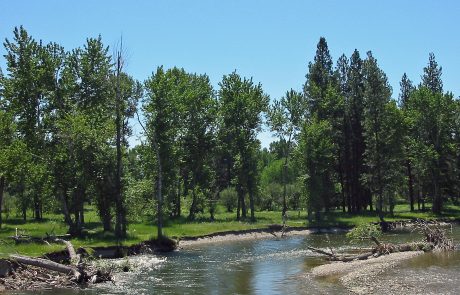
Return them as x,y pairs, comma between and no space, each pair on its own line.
229,198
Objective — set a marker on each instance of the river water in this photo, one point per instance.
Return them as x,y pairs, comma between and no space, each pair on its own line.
269,266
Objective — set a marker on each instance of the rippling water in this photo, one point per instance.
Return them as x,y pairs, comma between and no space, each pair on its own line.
270,266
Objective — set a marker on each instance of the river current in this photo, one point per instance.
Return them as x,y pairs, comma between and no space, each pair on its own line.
269,266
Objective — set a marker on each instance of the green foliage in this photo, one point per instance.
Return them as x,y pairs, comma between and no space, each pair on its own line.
273,172
64,127
383,130
241,105
228,198
316,154
364,232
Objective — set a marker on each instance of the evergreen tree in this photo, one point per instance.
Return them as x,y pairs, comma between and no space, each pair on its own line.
406,89
319,78
383,126
357,196
432,73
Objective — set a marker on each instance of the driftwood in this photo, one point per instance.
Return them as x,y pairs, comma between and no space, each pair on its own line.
75,273
51,265
74,258
381,249
435,239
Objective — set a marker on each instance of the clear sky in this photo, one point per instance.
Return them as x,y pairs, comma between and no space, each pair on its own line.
271,41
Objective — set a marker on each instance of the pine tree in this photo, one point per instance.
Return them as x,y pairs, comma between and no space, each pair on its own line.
432,73
383,125
319,77
406,89
358,197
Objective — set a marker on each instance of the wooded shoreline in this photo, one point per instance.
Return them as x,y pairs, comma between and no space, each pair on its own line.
9,266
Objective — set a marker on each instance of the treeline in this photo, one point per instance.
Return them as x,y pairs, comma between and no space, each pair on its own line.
66,116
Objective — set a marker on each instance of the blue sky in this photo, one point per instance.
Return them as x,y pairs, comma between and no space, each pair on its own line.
271,41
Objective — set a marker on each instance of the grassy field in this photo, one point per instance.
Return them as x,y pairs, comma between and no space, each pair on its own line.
181,227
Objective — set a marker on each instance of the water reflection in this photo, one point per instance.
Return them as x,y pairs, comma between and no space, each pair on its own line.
268,266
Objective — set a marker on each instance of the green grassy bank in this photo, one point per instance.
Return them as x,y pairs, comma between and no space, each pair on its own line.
180,227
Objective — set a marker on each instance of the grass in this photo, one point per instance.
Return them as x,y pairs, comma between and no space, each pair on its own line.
180,227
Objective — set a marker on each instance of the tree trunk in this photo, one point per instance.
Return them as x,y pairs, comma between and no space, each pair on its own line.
243,206
342,189
285,166
371,205
410,184
191,214
419,200
309,215
120,226
107,222
437,197
159,195
380,206
48,264
74,258
24,212
238,208
2,187
251,204
36,207
177,210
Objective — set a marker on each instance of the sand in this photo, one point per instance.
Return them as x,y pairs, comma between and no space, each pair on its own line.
361,277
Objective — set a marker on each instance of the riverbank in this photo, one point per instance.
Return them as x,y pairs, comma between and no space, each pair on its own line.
183,229
361,277
350,274
255,234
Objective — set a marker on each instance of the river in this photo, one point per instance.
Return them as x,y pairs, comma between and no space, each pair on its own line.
269,266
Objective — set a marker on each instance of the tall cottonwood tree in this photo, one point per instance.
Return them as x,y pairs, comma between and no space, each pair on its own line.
161,113
198,126
26,93
316,156
126,95
285,117
83,133
241,105
432,119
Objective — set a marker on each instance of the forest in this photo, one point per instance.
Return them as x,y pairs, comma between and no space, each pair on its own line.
346,140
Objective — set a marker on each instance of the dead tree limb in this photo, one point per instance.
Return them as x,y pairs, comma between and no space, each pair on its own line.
331,255
74,258
51,265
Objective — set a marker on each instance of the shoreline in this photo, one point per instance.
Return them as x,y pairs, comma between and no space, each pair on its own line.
255,234
274,231
361,276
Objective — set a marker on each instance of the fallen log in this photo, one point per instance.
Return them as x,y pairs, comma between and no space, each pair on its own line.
51,265
74,258
331,256
381,249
